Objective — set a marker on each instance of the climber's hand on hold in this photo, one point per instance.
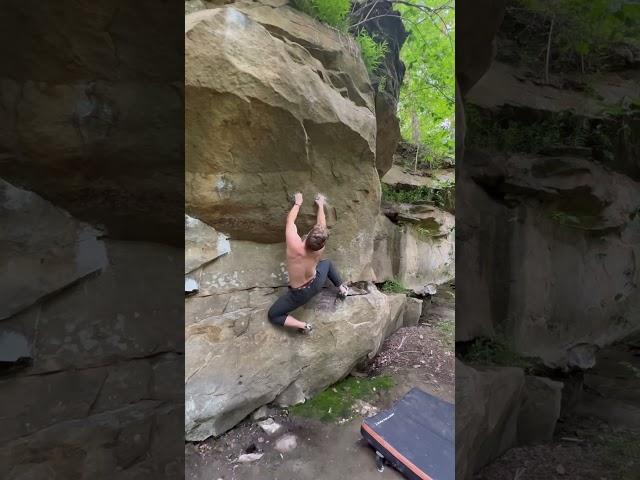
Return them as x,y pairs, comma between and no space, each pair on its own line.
297,198
320,199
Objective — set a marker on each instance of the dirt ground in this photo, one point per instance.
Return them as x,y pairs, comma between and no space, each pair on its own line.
583,449
599,440
420,356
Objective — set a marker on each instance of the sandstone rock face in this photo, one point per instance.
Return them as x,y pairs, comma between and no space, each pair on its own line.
264,119
399,178
424,249
413,311
612,390
79,99
98,369
29,261
386,253
505,85
566,214
91,197
237,361
487,406
202,244
539,411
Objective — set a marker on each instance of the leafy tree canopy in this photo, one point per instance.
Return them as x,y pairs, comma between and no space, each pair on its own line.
427,97
576,34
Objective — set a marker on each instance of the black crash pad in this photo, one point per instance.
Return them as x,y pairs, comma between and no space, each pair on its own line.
416,436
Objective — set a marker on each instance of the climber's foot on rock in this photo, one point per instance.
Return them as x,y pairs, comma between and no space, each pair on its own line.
306,330
343,291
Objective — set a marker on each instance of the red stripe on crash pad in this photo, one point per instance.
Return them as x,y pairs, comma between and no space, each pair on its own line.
396,453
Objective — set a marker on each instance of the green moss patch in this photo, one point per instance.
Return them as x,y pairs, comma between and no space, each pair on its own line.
336,402
393,286
487,351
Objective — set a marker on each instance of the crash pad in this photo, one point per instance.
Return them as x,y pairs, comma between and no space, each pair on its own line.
416,436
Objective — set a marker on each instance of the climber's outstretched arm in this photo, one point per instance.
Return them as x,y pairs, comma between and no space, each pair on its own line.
320,199
291,231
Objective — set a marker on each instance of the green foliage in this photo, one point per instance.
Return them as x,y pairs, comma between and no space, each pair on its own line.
393,286
427,97
518,130
336,14
413,195
487,351
441,196
583,30
429,232
510,132
578,220
335,403
372,52
331,12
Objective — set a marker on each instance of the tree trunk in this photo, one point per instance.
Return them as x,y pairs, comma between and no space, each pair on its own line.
415,165
546,66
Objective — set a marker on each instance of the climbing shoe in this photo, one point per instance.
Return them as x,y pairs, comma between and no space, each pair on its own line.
343,291
306,330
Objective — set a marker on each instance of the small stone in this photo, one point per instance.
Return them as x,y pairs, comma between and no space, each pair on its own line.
269,426
260,413
260,439
560,469
286,443
249,457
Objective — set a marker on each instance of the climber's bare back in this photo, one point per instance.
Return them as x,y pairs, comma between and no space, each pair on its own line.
301,263
302,260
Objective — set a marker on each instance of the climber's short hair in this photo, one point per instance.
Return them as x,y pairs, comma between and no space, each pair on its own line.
316,237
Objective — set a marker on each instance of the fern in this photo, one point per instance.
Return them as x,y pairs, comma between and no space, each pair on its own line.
331,12
372,52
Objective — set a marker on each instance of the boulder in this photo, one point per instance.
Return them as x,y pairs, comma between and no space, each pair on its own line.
202,244
265,117
611,388
488,402
540,410
44,251
398,177
237,361
425,258
417,251
412,312
82,326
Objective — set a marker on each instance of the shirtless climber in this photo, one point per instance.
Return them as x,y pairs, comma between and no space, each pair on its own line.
307,273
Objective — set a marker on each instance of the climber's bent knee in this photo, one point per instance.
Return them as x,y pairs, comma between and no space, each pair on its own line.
276,318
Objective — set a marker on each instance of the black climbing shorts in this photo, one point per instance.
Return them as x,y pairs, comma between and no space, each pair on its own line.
296,297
